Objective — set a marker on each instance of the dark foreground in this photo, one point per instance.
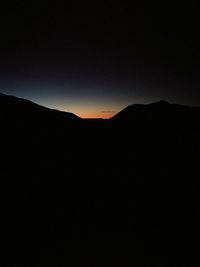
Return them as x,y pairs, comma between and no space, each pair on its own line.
120,192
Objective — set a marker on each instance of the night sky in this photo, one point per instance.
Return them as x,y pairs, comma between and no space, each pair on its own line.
93,58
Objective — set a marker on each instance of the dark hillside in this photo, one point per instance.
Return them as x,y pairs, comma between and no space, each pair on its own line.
118,192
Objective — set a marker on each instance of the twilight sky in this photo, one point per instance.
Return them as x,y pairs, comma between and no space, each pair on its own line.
93,58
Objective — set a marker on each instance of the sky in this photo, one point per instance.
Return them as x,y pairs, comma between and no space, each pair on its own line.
94,58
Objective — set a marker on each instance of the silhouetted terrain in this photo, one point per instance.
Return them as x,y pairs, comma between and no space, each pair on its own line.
118,192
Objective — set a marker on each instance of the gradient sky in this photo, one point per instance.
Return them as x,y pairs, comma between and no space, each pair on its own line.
93,58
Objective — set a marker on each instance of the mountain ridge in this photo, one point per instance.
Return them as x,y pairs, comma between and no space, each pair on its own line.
126,113
156,110
18,105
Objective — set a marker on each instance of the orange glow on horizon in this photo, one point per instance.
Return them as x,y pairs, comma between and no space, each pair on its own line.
92,112
96,116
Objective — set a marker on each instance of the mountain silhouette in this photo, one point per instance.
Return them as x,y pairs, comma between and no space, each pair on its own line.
12,107
16,110
159,113
154,109
123,191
